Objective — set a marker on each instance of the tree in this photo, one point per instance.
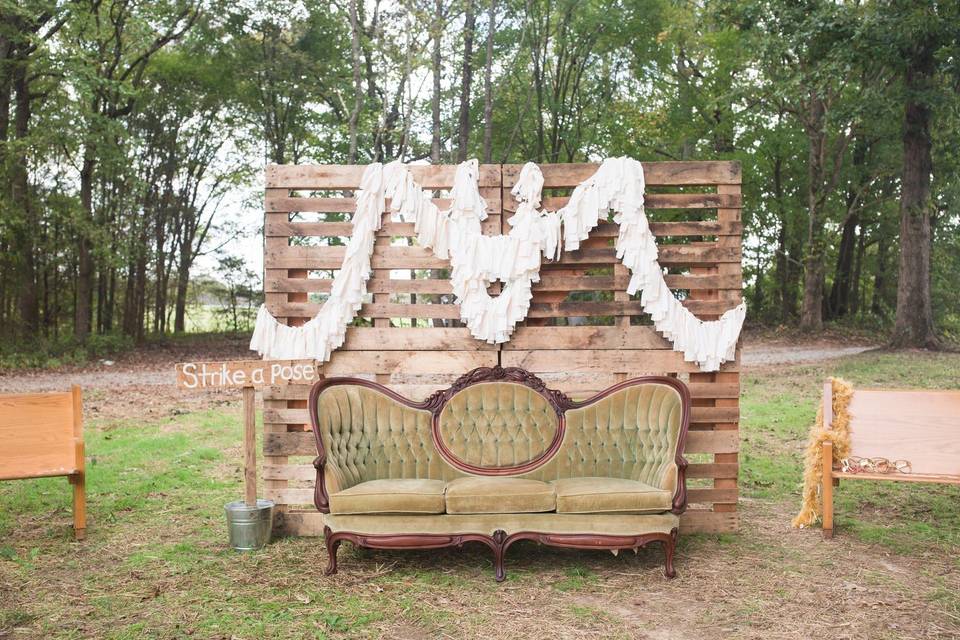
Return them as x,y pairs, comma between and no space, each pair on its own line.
118,39
26,30
488,84
466,81
436,70
808,61
918,42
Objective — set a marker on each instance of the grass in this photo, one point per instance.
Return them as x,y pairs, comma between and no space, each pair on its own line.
57,352
777,411
156,565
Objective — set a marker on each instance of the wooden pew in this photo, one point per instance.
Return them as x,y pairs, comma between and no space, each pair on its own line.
919,426
41,435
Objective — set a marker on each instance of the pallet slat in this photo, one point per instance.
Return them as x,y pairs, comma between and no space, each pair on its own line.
286,228
278,282
700,204
391,257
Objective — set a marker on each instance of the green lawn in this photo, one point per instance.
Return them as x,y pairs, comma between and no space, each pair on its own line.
156,565
777,411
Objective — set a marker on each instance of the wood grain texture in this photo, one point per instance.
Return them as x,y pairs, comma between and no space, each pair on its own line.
921,427
695,214
41,436
37,433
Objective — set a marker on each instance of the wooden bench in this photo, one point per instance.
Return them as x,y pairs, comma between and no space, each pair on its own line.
921,427
41,435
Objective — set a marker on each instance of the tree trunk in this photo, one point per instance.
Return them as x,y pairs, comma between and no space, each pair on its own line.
141,289
183,282
785,292
811,311
20,197
913,326
466,80
435,149
84,291
840,292
488,85
111,299
855,289
357,89
839,302
878,306
130,299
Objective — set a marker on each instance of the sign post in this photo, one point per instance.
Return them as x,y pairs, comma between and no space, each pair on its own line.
248,375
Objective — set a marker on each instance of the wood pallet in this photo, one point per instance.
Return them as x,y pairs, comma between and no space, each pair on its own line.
413,341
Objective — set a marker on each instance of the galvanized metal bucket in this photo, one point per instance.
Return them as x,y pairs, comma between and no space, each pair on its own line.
249,526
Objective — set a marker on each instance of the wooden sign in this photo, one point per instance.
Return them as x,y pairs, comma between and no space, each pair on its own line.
246,373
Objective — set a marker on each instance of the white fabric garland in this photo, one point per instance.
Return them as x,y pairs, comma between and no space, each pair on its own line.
619,185
514,259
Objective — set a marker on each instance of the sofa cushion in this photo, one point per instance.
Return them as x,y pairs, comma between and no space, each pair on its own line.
497,425
499,495
390,496
610,495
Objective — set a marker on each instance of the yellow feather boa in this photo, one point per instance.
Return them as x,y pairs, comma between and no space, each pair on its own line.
811,509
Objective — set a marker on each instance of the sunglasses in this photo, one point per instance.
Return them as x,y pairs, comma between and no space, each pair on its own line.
854,464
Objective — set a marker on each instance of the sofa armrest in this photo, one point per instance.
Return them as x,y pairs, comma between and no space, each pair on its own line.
364,431
674,478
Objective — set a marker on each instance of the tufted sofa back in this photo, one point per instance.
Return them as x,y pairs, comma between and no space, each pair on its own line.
500,427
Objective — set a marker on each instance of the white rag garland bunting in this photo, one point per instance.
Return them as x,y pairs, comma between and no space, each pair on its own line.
478,260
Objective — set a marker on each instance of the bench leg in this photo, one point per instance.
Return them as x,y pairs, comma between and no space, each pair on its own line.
79,505
826,489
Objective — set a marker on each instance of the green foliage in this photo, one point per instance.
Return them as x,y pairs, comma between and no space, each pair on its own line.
140,159
43,353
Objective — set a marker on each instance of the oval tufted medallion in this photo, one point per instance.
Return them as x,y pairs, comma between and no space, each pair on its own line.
498,428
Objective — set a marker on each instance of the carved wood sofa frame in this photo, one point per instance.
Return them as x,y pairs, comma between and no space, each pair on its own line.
500,541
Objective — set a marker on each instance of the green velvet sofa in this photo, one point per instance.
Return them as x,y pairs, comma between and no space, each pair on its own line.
498,457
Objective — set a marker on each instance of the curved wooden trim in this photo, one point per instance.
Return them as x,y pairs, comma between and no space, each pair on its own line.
499,542
560,402
557,399
413,541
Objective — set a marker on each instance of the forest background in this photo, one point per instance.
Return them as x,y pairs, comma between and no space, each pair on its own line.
134,137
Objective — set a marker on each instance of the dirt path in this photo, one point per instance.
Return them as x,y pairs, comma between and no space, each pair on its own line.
140,383
137,383
154,366
767,354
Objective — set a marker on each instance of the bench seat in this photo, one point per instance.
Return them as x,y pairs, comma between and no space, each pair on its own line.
479,495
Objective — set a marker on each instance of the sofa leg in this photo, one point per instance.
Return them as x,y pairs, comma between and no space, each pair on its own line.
332,547
499,551
669,546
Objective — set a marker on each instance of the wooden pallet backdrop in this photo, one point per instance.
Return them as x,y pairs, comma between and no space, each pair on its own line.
583,332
